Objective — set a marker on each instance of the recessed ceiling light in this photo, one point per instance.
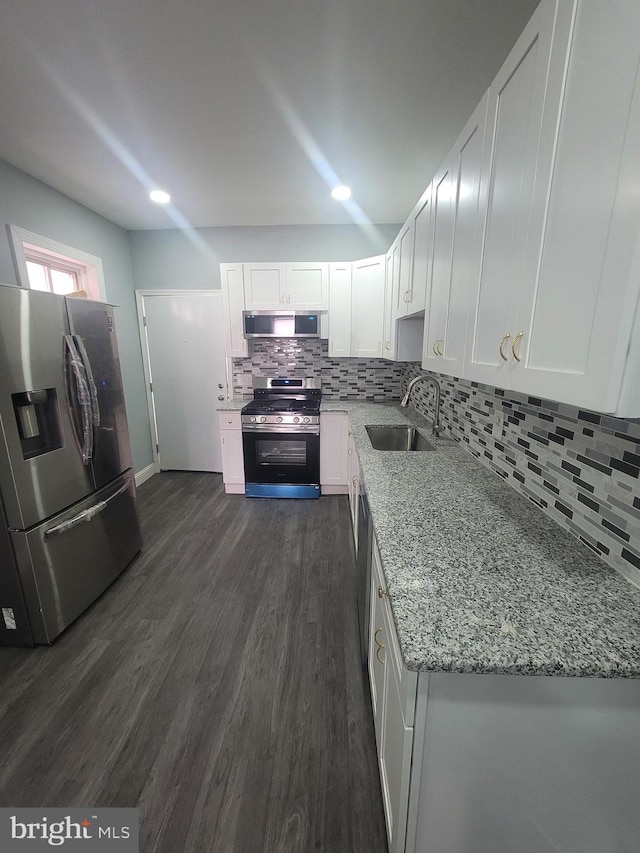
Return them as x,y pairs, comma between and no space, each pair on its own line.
159,196
341,193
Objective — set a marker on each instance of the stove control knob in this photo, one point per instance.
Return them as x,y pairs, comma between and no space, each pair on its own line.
263,420
296,420
252,419
278,420
305,420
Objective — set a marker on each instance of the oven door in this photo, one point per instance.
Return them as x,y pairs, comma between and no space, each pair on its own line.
281,464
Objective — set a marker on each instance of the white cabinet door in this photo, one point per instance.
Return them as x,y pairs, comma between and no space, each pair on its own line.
377,644
389,699
421,261
524,103
353,470
307,286
456,252
578,321
235,344
402,268
232,453
389,321
334,445
264,286
340,310
442,219
367,307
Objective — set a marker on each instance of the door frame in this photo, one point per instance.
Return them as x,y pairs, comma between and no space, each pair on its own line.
146,360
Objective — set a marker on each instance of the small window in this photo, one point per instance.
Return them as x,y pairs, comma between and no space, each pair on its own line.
45,264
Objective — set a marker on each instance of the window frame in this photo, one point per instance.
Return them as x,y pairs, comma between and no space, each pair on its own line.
27,246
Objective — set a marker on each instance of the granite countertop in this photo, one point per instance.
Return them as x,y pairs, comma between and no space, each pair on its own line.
480,580
233,405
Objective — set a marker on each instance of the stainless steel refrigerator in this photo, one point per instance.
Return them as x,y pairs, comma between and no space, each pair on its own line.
68,516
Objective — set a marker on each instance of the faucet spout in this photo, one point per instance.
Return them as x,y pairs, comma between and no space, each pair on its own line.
436,429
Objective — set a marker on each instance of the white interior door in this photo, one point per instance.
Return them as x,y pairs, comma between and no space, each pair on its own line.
187,369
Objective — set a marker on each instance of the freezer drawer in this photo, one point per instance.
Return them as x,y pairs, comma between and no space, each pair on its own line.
69,560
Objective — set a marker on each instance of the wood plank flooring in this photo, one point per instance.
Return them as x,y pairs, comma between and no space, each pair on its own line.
216,685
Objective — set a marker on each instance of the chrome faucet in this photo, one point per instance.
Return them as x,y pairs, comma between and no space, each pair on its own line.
436,417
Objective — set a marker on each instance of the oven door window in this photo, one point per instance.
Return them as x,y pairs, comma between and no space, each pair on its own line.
278,458
289,451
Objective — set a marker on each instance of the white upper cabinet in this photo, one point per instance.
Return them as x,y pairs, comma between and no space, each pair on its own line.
402,265
580,345
367,307
556,314
235,344
264,286
457,218
420,261
442,222
295,286
524,104
307,286
340,310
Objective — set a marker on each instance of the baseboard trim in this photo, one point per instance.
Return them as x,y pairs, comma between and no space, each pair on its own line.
147,473
334,490
234,488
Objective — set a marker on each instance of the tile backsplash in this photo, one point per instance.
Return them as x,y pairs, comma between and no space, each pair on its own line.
580,468
372,379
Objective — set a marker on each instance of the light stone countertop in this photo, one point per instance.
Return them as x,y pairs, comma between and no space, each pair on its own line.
480,580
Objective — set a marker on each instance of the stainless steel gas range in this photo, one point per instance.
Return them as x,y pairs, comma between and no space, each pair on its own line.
281,438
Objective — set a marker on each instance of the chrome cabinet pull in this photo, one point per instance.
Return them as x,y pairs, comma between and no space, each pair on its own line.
382,592
502,343
435,347
514,344
379,645
406,296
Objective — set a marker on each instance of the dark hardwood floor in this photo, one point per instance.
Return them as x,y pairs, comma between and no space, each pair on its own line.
216,685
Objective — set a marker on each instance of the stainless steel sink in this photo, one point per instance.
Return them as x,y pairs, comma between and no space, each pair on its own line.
397,437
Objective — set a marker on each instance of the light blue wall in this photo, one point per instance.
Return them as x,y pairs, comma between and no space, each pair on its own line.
177,259
30,204
170,259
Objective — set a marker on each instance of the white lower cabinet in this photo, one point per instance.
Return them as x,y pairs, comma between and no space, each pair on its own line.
232,456
334,453
483,763
353,473
393,692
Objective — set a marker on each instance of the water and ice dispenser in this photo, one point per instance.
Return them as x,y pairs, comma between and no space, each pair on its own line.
38,420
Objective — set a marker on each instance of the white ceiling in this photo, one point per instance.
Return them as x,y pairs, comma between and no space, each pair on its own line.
244,110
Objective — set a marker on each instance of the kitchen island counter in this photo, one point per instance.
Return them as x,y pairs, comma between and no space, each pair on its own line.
480,580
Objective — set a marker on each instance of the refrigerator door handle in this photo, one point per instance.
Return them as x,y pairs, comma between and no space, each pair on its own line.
93,392
84,397
87,514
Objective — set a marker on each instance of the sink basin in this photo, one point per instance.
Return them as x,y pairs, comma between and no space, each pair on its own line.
397,437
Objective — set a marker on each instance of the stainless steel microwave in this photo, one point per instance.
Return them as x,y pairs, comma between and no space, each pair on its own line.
281,324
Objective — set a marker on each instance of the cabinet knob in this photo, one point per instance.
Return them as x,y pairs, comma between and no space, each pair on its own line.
502,343
387,345
220,396
229,421
220,385
406,296
354,481
382,592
